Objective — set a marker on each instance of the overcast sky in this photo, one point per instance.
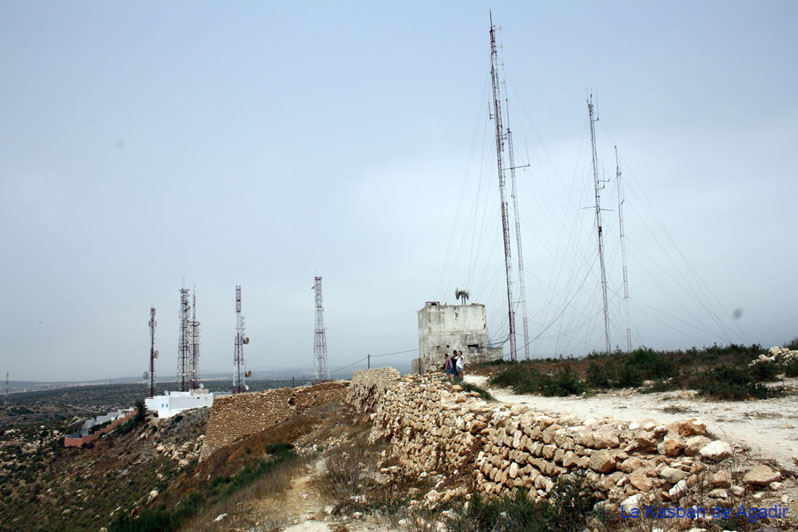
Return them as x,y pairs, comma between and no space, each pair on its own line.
144,145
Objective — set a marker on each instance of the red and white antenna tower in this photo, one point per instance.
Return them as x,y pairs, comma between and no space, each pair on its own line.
320,337
195,346
184,357
598,188
239,372
153,354
500,137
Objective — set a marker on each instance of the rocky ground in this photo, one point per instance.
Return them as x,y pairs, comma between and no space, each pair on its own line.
768,428
49,487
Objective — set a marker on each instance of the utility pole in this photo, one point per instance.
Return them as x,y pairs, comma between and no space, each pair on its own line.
497,118
593,120
184,344
320,336
239,373
153,354
368,364
621,201
195,346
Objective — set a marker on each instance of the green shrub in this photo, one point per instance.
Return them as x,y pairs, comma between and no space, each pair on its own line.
521,378
764,372
734,384
569,507
791,370
468,387
565,382
598,376
279,448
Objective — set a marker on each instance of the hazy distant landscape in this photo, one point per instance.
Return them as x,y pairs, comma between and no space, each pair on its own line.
25,408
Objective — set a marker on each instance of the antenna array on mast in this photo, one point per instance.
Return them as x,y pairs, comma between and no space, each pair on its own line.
195,346
184,356
153,354
320,368
598,188
500,136
239,373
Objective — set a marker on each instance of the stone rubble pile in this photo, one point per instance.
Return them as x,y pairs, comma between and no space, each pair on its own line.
431,426
184,453
777,355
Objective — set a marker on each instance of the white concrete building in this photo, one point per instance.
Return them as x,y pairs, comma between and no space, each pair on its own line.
443,328
172,403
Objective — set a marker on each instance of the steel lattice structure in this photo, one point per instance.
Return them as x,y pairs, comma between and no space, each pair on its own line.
320,368
184,356
239,373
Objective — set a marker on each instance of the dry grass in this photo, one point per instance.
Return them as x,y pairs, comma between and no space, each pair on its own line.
241,508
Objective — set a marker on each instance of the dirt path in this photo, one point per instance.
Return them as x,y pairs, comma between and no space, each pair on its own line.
769,428
301,507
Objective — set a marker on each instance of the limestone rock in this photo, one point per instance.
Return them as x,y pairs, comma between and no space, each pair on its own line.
761,475
632,502
630,465
641,482
694,444
673,446
602,462
720,479
605,440
692,427
672,475
717,450
676,491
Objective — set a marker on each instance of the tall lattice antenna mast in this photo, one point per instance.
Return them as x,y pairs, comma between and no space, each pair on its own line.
184,344
497,118
593,120
239,373
621,201
517,220
153,354
195,346
320,368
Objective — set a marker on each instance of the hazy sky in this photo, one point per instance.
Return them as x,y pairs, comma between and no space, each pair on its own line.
144,145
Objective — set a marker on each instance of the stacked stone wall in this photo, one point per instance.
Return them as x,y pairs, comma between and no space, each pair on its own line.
432,426
368,386
235,416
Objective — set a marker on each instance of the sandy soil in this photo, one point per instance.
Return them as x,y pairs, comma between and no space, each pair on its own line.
769,428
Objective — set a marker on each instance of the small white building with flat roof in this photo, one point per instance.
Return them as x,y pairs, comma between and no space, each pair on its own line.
172,403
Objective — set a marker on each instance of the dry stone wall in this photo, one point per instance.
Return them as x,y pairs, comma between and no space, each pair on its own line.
235,416
432,426
368,386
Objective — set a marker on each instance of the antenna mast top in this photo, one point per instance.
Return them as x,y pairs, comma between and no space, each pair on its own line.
500,137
